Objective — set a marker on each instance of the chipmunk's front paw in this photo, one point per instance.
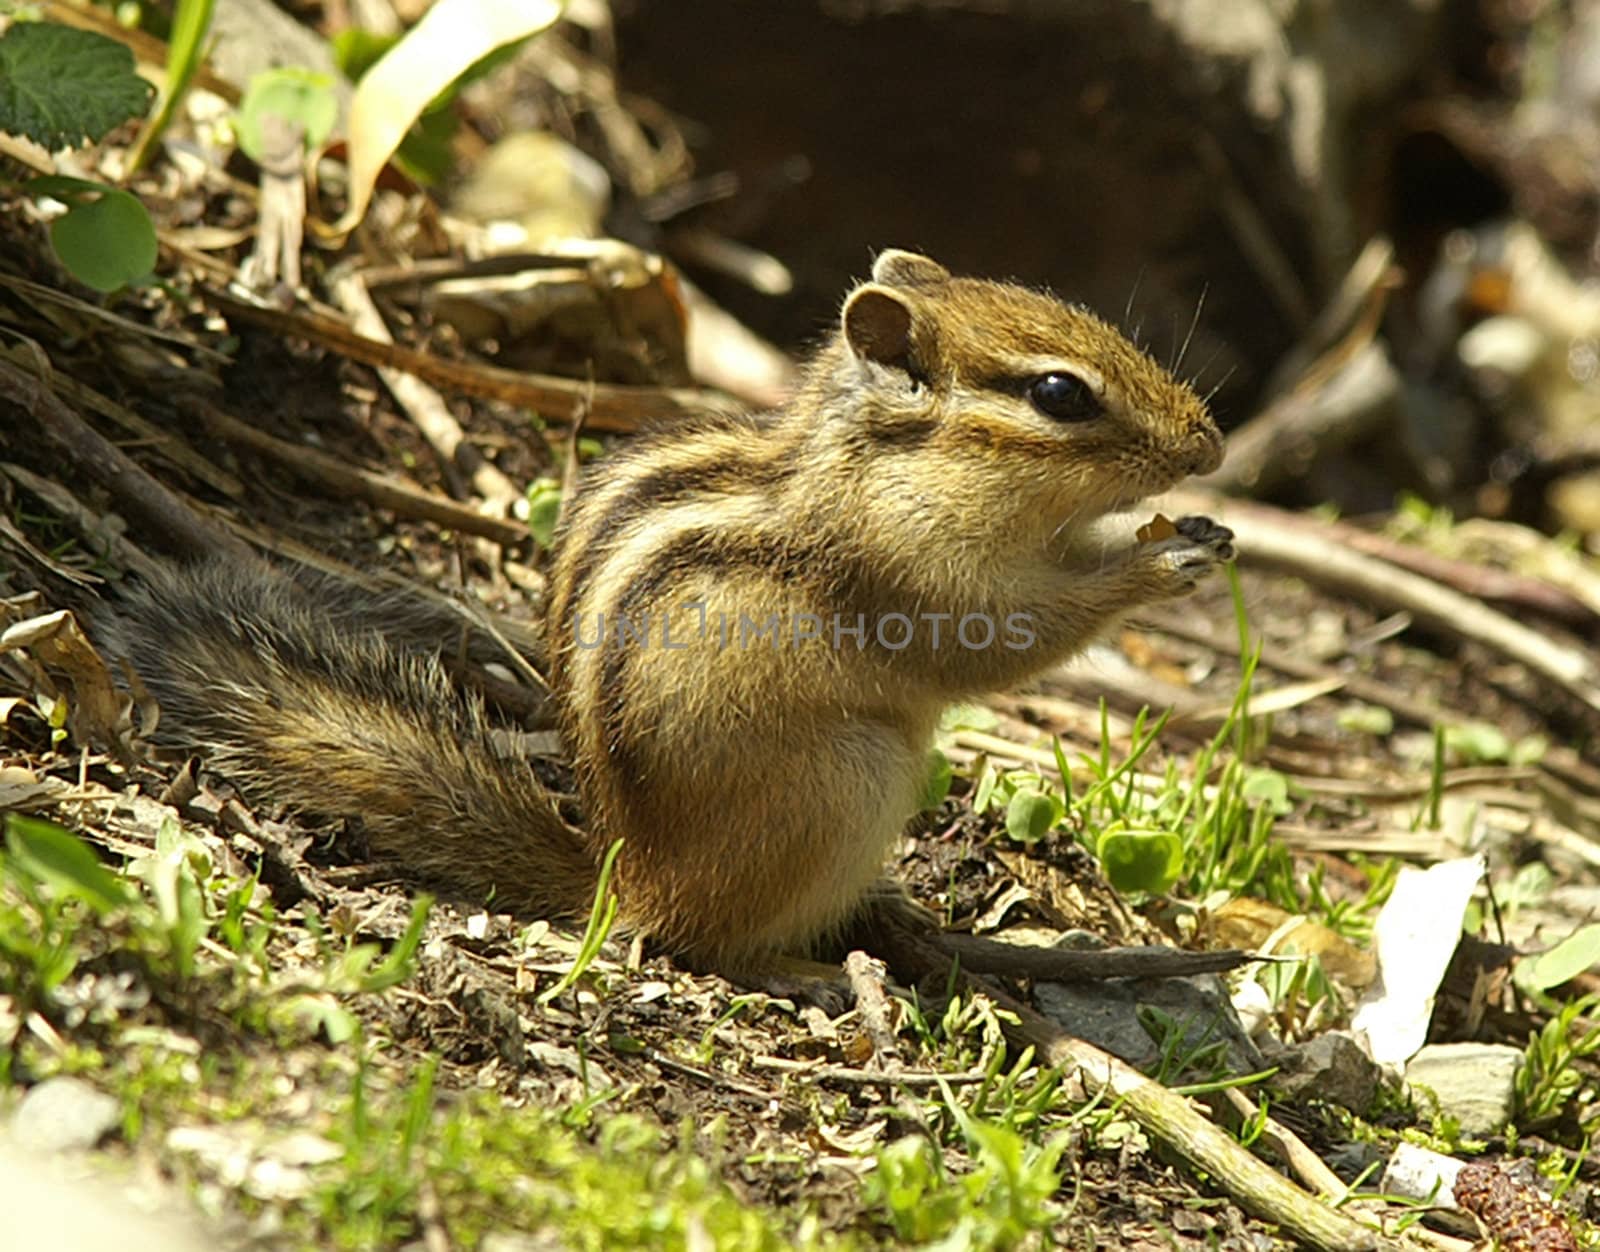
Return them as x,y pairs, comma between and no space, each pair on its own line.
1185,558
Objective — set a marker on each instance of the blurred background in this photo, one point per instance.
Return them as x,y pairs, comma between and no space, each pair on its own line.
1408,185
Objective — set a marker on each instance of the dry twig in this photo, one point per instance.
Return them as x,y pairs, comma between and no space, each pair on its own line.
1279,442
425,406
1265,538
613,407
145,500
383,490
1168,1118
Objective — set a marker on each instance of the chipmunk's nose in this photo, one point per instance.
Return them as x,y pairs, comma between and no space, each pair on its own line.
1204,453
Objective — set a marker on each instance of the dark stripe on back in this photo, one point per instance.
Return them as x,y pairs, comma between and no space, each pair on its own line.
668,486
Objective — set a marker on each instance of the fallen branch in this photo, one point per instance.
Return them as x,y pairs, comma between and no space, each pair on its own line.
424,405
1478,581
866,975
162,442
1313,1171
1287,436
1265,538
144,500
978,955
382,490
612,407
91,527
1167,1118
1562,762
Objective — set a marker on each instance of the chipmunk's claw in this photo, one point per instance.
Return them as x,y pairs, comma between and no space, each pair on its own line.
1208,534
1195,551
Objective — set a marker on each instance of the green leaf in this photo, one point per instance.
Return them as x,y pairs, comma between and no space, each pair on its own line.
1576,953
295,95
191,21
1477,742
323,1012
1366,719
1267,786
173,875
355,51
63,862
107,241
969,717
1031,814
1528,751
985,790
62,87
401,960
1141,860
425,155
544,507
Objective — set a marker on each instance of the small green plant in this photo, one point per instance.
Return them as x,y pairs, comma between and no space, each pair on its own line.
176,875
1143,860
185,48
1419,521
1006,1198
1479,743
544,509
601,916
294,95
936,786
967,1033
1303,997
1548,1082
1541,973
1182,1050
1019,1096
1366,719
62,87
105,238
42,854
373,1203
1032,813
349,970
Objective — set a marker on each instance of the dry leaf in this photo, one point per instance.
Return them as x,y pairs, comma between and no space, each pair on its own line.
99,713
451,37
1255,924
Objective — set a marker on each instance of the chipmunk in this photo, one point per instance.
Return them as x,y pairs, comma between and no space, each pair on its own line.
753,625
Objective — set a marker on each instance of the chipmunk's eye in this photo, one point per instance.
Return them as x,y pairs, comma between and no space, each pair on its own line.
1063,396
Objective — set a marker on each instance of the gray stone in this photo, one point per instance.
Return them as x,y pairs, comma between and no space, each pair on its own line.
63,1115
1333,1067
1107,1014
80,1201
1471,1082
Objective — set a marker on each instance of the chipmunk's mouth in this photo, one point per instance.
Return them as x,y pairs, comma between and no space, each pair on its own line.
1134,496
1122,504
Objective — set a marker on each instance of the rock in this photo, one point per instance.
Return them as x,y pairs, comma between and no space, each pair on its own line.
78,1202
1352,1160
63,1115
1107,1014
1333,1067
1471,1082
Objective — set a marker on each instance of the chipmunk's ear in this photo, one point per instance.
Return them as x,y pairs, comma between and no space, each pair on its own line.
877,326
897,268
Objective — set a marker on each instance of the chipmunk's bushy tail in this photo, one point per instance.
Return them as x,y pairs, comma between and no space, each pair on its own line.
336,703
